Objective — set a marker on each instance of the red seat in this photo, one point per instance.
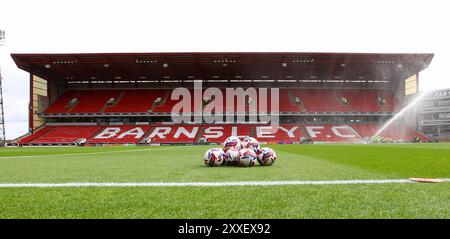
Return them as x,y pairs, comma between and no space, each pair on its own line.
37,134
93,101
140,101
136,101
391,102
320,101
362,100
59,106
66,134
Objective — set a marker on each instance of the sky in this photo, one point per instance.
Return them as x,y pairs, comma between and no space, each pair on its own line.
385,26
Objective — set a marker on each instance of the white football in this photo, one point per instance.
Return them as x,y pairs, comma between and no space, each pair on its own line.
251,143
232,142
266,156
231,157
214,157
247,158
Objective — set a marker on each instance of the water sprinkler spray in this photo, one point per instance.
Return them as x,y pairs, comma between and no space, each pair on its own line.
399,114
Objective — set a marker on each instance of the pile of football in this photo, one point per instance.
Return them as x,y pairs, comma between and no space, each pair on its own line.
237,152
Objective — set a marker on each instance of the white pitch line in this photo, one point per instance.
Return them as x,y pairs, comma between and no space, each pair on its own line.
206,184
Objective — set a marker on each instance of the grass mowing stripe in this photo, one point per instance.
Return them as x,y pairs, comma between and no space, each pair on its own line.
205,184
81,154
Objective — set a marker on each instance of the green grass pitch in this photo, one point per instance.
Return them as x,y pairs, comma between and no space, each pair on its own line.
185,164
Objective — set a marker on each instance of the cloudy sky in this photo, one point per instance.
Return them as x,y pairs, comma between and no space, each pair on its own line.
47,26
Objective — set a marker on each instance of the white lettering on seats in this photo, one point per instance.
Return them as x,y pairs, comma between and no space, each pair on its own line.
336,129
108,133
137,132
269,131
182,130
160,132
211,132
289,132
264,132
311,132
234,131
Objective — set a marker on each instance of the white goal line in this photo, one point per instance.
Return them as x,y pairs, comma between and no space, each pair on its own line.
206,184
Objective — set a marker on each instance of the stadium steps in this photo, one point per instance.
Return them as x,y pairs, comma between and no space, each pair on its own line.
357,133
73,106
163,101
390,105
144,136
121,95
302,107
95,134
384,108
379,108
149,131
291,98
347,106
199,134
152,108
302,130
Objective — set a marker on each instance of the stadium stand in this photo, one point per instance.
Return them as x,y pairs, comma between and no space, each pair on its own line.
125,98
